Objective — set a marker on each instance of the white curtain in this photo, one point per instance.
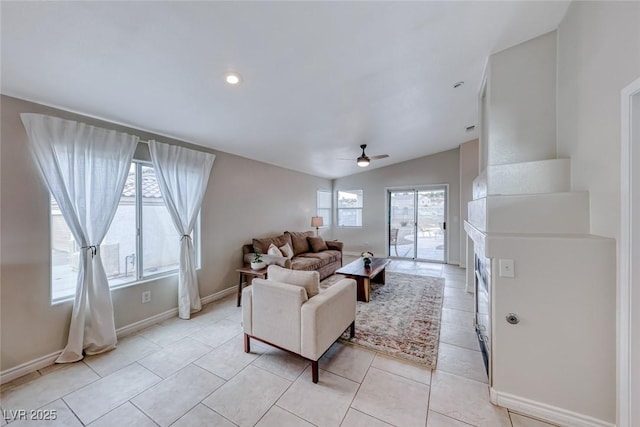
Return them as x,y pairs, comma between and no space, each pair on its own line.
85,168
183,175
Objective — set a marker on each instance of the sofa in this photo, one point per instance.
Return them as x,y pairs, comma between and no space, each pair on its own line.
290,312
309,253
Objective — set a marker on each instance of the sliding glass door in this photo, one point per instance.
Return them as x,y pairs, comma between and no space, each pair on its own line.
417,223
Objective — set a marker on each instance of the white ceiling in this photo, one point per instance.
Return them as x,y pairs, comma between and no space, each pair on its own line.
320,78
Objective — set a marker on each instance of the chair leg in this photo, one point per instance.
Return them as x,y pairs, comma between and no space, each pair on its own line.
247,344
352,332
314,371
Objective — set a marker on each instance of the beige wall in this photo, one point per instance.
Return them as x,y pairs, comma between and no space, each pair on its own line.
441,168
598,55
244,199
468,172
635,284
521,98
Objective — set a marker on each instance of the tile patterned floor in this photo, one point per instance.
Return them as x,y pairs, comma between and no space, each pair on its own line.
195,373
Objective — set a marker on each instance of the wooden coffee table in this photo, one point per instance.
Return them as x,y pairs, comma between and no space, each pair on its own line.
364,276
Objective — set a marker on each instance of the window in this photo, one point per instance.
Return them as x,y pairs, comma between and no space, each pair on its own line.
323,206
128,256
350,208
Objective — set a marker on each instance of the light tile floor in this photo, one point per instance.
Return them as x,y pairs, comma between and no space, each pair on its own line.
195,373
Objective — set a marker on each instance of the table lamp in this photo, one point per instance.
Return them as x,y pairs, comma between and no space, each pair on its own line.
316,221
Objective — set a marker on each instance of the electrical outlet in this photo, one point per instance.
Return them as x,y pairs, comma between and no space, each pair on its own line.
506,268
146,297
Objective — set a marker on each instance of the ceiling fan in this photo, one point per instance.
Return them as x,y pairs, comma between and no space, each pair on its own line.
364,160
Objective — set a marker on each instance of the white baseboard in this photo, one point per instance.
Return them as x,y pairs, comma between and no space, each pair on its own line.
219,295
28,367
351,253
145,323
450,262
44,361
544,412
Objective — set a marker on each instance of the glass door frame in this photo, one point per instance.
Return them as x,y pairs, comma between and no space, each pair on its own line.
416,189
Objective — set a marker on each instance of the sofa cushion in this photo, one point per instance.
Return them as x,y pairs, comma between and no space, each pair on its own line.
273,250
286,250
310,280
317,244
299,241
261,246
306,263
325,257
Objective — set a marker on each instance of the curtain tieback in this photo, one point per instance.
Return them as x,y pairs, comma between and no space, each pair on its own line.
185,235
92,248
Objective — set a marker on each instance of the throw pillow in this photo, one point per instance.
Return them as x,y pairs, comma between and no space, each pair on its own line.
299,241
286,250
268,259
317,244
261,246
273,250
309,280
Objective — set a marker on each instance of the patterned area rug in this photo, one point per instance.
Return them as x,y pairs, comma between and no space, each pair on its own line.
402,318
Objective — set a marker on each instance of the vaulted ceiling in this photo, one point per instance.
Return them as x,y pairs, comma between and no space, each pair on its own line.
318,78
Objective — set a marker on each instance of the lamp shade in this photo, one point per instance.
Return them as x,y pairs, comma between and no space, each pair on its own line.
316,221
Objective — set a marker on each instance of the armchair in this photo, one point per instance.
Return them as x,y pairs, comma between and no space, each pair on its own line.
287,311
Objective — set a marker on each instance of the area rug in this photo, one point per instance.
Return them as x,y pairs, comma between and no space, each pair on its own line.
402,317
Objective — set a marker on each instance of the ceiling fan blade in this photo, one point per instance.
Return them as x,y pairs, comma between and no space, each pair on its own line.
381,156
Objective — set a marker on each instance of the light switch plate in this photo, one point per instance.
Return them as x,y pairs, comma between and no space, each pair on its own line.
506,268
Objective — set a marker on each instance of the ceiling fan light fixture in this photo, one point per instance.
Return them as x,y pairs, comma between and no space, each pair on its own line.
363,162
233,78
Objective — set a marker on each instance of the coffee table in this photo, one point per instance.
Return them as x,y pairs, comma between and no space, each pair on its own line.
365,275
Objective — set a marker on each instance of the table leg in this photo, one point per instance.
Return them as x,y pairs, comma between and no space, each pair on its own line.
363,288
367,288
380,277
240,290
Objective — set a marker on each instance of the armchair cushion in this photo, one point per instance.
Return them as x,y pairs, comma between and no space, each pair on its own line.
309,280
276,314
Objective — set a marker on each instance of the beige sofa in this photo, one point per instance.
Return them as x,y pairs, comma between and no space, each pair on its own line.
305,256
290,312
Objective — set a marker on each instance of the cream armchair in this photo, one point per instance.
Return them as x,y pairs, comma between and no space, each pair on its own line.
289,312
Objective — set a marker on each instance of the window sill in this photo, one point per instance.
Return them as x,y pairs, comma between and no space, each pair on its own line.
147,279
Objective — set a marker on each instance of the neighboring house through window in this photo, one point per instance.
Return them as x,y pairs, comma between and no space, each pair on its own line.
350,208
141,243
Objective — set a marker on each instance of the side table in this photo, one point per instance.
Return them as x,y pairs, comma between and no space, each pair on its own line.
246,273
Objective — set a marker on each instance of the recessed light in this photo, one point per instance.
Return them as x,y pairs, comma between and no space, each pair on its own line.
232,78
458,84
